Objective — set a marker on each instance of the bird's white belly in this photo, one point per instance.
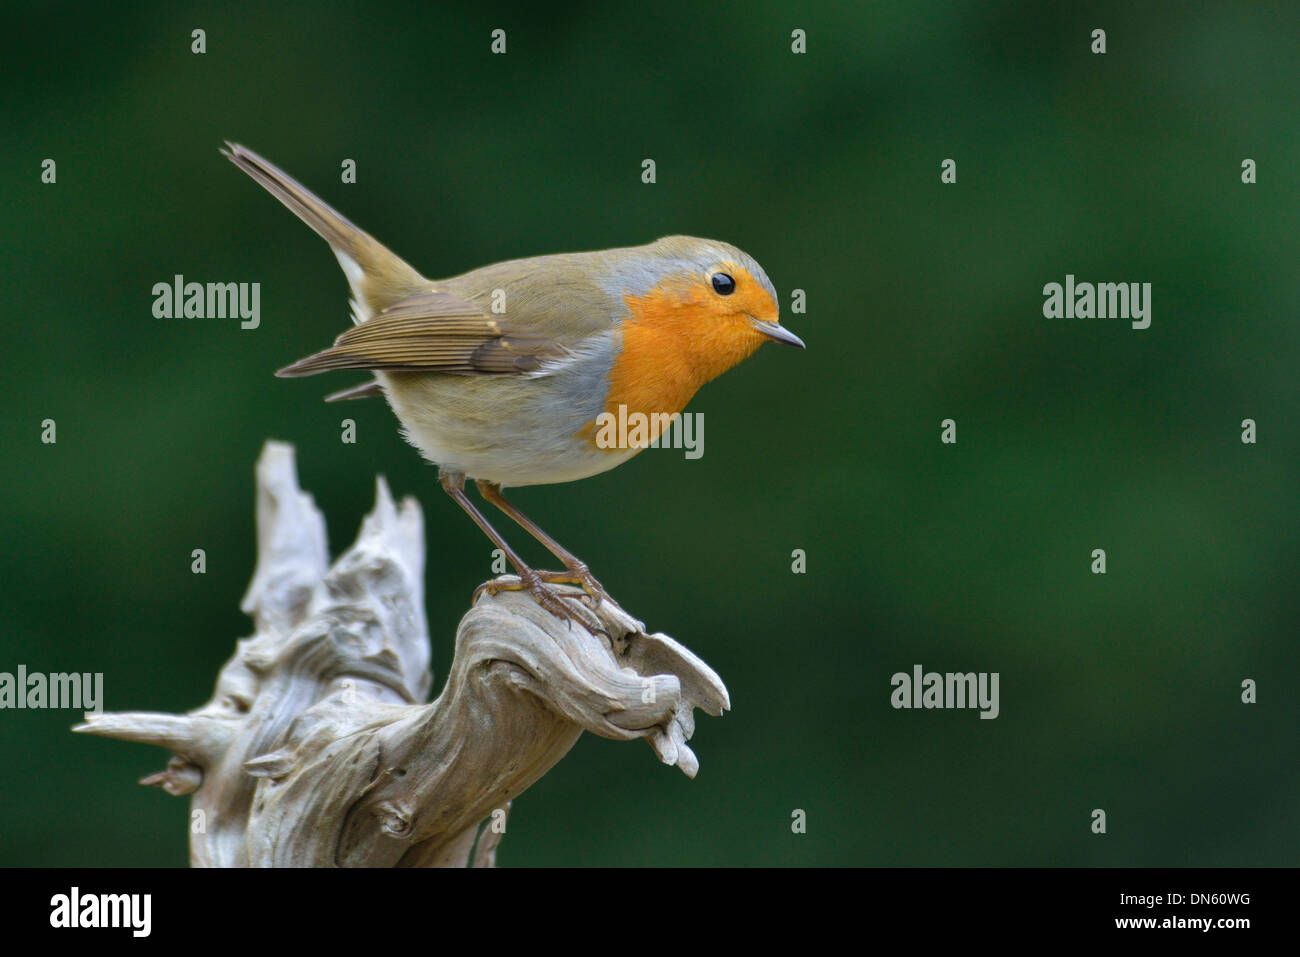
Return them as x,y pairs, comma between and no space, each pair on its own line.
513,430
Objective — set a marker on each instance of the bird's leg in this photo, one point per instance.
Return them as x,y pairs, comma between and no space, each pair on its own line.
453,483
577,572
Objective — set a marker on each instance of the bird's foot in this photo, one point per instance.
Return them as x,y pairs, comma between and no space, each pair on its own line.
548,598
578,574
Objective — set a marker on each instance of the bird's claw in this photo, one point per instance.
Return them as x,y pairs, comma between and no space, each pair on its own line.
593,591
549,599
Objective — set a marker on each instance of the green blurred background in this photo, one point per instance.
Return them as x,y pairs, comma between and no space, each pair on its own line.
1119,691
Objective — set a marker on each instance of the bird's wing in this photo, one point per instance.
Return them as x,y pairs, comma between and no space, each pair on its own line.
434,331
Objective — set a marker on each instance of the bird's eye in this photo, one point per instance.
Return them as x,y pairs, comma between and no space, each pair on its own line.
723,284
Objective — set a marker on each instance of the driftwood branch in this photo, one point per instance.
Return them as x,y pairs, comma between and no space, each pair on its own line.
316,748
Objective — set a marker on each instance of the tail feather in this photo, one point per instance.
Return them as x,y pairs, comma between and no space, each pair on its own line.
363,391
377,275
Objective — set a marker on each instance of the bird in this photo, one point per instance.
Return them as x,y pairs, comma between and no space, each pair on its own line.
501,375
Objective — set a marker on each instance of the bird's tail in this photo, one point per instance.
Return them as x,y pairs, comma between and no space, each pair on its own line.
377,275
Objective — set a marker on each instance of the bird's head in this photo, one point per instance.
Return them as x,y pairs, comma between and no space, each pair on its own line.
704,304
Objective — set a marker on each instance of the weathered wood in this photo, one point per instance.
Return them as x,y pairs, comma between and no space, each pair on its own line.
316,748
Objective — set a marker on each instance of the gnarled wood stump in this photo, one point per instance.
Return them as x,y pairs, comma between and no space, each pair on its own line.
317,749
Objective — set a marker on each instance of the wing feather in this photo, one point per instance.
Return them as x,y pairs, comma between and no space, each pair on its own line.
435,331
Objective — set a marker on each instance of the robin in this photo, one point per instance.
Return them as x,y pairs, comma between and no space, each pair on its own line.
503,374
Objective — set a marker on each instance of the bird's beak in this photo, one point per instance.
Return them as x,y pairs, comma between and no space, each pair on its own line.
777,333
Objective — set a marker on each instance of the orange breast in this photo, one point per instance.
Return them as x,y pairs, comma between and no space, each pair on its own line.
675,339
